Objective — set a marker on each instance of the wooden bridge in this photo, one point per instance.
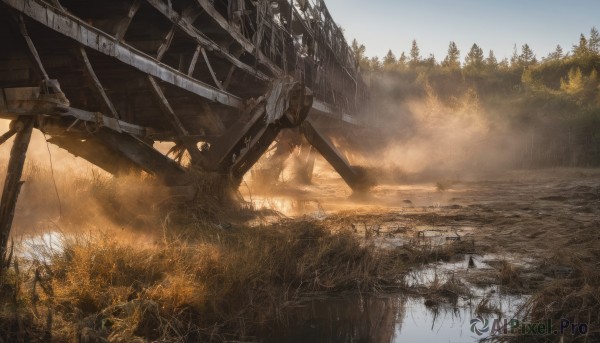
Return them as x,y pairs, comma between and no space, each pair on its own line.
106,79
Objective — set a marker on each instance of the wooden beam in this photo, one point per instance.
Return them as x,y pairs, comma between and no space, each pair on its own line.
245,43
210,69
190,71
7,135
232,70
12,181
167,110
123,25
186,26
164,46
96,83
352,177
96,39
39,67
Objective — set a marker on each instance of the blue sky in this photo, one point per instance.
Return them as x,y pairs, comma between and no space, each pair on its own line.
492,24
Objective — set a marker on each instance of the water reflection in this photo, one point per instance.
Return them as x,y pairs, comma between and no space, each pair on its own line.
345,319
377,319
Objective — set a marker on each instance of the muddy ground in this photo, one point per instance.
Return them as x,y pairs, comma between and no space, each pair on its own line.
530,251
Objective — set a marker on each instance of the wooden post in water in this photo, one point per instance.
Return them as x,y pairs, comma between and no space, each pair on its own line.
12,183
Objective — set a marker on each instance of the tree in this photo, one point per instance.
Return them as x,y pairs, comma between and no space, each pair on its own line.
415,54
430,61
582,49
574,84
452,60
491,62
594,42
474,59
389,61
403,60
375,64
359,54
514,59
527,56
556,55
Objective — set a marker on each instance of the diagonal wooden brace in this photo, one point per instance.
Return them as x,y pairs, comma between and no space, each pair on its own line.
354,177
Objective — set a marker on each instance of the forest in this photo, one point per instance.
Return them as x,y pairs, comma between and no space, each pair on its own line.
545,111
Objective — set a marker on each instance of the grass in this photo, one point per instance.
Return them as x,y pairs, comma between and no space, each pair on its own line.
187,274
184,270
215,285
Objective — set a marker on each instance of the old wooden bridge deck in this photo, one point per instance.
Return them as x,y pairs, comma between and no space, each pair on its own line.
106,79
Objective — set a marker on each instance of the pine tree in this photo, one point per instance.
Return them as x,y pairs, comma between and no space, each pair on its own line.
389,61
491,62
514,59
527,56
594,42
359,54
415,54
556,55
375,64
582,49
474,59
403,60
430,61
452,60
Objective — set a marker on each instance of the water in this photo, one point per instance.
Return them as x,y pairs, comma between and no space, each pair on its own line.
397,318
389,319
38,247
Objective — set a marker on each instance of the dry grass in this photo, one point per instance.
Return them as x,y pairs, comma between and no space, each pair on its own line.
573,292
218,285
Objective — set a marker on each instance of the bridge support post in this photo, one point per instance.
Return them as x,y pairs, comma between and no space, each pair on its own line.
356,179
12,183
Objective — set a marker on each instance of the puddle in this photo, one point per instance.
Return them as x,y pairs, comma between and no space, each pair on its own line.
399,318
391,319
37,247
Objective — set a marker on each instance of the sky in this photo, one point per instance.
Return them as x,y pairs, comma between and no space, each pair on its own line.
493,24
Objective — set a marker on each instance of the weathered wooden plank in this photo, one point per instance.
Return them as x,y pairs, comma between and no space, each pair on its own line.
7,135
323,108
186,26
95,39
123,25
12,181
192,66
166,107
96,82
352,177
246,44
174,119
162,49
210,69
36,57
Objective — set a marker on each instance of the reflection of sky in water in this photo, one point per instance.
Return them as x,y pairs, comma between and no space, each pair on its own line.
422,325
37,247
451,324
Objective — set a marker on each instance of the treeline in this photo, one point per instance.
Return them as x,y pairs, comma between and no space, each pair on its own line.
553,100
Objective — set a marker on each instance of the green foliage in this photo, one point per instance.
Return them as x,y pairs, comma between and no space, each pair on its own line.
389,61
594,42
574,84
474,61
415,55
557,97
452,60
491,63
